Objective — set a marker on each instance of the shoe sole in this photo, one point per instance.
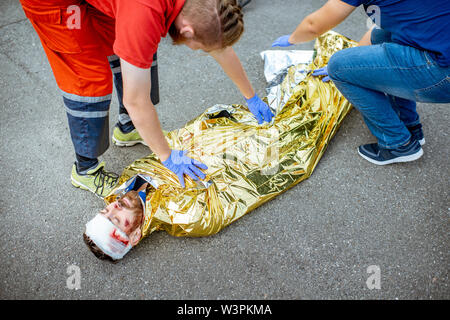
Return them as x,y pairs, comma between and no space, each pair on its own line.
127,143
409,158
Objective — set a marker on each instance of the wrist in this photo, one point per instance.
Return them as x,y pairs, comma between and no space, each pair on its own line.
165,155
253,97
291,40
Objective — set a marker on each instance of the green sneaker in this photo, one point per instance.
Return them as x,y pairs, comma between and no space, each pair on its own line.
96,180
126,139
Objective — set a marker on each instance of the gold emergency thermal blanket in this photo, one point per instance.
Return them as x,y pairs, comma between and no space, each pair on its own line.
248,164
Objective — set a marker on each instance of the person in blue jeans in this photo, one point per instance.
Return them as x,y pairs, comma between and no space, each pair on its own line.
404,59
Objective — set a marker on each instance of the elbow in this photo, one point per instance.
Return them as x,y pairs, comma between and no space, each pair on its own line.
314,27
137,108
132,104
128,104
129,101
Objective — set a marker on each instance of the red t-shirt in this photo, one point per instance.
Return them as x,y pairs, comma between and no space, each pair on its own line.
140,25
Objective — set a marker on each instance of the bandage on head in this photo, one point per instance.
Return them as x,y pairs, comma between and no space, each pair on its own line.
110,239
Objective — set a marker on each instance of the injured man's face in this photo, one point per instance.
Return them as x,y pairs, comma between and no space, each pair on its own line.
116,229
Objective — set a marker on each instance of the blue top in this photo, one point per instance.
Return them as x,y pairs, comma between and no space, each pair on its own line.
422,24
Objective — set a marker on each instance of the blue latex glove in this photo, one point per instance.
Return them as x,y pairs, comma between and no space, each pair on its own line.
260,109
181,165
322,72
282,41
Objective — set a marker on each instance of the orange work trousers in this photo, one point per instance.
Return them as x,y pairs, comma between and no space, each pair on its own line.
77,39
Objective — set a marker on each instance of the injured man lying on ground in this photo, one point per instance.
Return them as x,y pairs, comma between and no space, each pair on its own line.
248,164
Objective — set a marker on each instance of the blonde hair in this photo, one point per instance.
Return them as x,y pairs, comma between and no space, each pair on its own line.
216,23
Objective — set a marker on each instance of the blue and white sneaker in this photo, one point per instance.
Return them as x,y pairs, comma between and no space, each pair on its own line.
417,133
380,156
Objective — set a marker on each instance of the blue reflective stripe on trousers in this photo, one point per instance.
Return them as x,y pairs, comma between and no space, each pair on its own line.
89,126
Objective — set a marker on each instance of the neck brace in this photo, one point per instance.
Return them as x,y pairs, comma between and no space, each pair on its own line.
111,240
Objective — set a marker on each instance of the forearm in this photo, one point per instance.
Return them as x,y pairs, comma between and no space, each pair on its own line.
145,119
321,21
231,65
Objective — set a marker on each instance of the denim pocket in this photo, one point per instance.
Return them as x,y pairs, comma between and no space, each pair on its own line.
438,93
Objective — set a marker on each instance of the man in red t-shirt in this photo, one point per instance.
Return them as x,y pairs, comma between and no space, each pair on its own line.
84,40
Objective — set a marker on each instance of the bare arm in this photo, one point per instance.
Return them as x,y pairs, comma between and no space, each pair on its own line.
321,21
232,66
136,98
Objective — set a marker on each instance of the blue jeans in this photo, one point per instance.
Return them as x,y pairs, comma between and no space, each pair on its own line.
384,81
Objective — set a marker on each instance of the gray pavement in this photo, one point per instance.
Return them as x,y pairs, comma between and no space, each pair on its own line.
315,241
